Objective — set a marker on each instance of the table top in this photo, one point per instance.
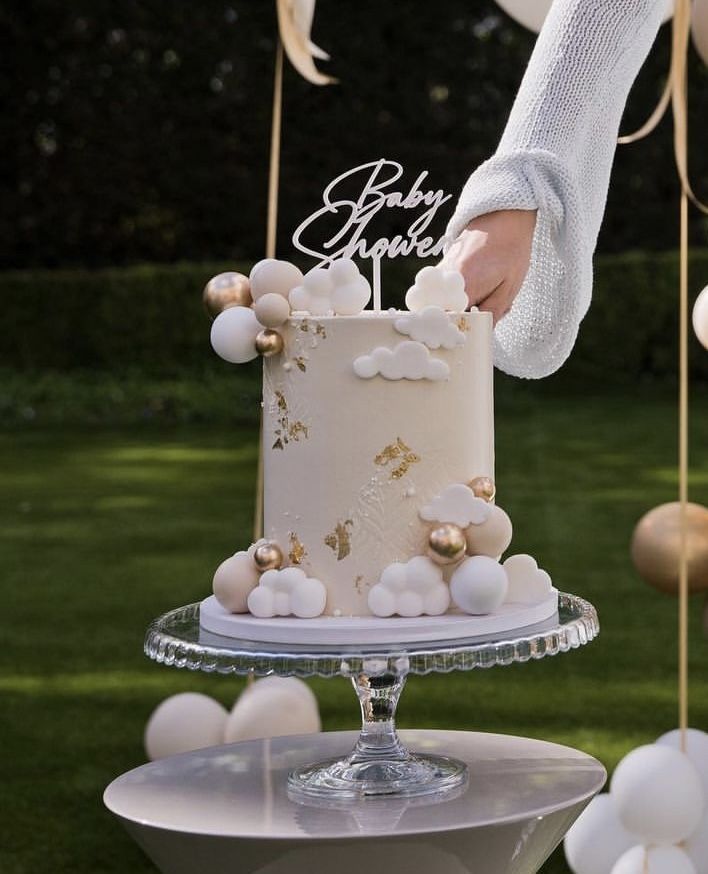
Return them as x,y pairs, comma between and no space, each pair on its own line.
239,790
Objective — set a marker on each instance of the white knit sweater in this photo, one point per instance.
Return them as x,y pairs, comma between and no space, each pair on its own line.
555,156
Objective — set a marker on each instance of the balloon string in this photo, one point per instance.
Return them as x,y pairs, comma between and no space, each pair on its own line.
654,119
683,473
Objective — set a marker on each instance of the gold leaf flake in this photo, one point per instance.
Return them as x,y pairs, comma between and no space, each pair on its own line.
282,403
320,331
300,361
298,429
463,324
357,583
340,540
400,454
297,550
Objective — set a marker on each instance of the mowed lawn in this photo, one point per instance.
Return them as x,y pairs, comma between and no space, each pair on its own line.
103,529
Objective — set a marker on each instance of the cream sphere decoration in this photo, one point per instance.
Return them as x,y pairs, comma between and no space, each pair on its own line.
233,335
234,580
273,707
655,547
269,343
268,556
184,722
272,310
658,794
696,846
479,585
654,860
492,537
446,544
226,290
700,307
597,839
272,276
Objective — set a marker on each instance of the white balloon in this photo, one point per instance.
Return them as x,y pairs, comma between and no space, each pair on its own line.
700,307
699,32
696,750
658,794
272,310
597,838
532,13
654,860
479,585
271,276
184,722
273,707
697,846
233,334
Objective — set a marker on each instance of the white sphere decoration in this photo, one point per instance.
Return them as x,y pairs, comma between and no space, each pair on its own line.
184,722
273,706
700,307
271,276
597,838
658,794
234,580
233,335
696,750
272,310
479,585
654,860
492,537
696,846
532,13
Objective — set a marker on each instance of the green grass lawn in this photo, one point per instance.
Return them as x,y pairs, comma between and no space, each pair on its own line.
104,528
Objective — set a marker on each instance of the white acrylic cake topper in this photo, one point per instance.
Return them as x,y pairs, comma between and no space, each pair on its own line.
378,191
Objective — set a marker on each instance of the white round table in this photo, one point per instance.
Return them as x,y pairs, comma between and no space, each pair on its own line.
226,810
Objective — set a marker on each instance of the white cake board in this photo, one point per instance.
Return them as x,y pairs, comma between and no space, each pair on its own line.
371,629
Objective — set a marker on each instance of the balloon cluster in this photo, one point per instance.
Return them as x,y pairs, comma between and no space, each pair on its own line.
654,820
192,721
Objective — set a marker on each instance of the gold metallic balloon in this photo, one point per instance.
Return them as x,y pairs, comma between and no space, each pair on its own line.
483,487
447,544
268,556
226,290
656,543
269,342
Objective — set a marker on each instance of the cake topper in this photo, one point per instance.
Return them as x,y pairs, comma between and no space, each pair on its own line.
378,190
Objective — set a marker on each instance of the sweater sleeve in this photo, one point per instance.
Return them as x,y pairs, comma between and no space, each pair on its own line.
555,156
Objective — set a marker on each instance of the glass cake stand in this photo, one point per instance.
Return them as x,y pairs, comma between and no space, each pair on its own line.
379,764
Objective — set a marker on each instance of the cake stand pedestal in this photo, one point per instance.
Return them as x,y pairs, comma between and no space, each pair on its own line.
380,764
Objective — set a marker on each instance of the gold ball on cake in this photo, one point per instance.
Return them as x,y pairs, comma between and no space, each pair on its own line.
269,343
268,556
483,487
226,290
447,544
656,544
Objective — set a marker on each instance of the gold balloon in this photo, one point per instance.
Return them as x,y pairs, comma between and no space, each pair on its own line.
226,290
483,487
268,556
656,543
447,544
269,342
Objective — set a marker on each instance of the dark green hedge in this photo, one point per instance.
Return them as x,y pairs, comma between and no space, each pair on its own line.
150,318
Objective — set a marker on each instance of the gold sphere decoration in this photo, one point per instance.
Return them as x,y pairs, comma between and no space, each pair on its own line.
269,342
226,290
656,544
447,544
483,487
268,556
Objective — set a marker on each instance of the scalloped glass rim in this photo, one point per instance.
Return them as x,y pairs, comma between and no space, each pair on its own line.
176,639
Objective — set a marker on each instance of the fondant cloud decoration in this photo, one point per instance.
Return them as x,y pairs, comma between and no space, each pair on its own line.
287,592
408,360
340,289
458,504
410,589
528,584
431,326
437,287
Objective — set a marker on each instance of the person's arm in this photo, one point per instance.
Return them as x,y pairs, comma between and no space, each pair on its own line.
534,209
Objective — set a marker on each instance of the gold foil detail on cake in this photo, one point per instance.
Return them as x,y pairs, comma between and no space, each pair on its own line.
301,363
357,583
297,550
287,430
463,324
401,455
340,540
320,331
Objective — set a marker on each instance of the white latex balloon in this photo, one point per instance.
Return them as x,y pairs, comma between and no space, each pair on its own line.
272,310
696,750
597,838
654,860
233,334
658,794
273,707
532,13
699,32
479,585
697,846
700,307
184,722
271,276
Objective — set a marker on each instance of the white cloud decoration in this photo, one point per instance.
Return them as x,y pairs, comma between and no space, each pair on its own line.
458,504
287,592
431,326
411,589
340,289
435,286
528,584
408,360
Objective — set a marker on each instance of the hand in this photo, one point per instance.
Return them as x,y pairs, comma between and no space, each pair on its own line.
493,254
